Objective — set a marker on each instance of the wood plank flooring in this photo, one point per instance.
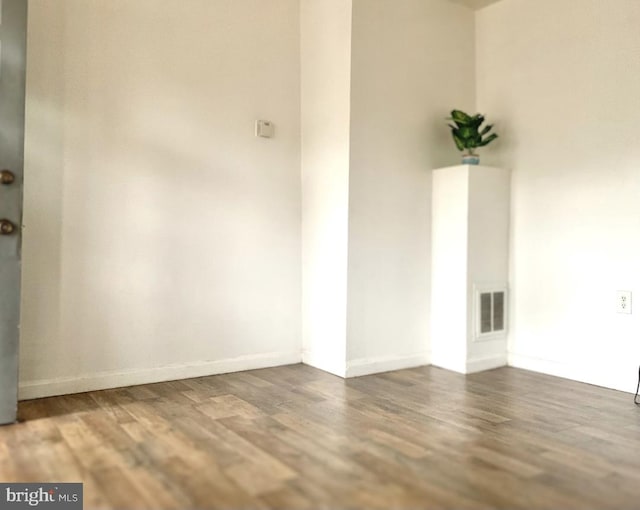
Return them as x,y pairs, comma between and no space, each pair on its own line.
297,438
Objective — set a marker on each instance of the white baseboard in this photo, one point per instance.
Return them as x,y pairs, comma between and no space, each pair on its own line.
595,375
324,363
488,363
366,366
469,366
455,364
121,378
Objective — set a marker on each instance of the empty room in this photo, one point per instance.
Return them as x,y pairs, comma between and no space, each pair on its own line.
319,254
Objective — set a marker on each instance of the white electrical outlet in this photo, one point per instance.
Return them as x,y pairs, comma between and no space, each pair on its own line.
623,301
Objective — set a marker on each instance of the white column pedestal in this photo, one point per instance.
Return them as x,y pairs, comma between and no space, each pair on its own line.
470,256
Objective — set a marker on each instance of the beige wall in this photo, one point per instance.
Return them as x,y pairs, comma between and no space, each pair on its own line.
562,82
162,238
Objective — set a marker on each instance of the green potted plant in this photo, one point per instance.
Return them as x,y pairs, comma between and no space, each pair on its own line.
468,135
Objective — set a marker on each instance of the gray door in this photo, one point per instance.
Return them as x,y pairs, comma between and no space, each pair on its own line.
13,28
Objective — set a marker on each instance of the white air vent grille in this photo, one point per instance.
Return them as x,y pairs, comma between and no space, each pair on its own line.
490,311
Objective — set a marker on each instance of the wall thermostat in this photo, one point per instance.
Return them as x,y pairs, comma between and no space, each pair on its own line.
264,128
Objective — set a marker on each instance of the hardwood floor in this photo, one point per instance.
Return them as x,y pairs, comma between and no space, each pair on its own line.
295,437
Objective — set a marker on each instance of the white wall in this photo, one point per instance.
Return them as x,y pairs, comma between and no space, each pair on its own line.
413,62
326,72
562,82
162,238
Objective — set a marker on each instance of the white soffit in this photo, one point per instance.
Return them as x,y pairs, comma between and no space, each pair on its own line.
475,4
